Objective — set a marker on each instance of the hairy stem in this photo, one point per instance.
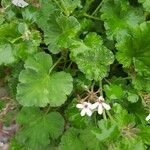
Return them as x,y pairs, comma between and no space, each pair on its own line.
91,17
104,115
98,7
48,109
55,64
109,115
101,88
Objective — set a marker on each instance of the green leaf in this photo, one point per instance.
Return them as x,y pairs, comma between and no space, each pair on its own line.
17,42
6,54
29,14
14,145
141,83
130,144
71,141
38,86
122,117
132,97
118,15
146,4
113,91
68,6
144,133
8,33
89,139
108,130
29,44
59,30
92,57
38,128
134,49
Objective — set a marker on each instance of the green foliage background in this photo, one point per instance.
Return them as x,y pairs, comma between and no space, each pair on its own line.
53,49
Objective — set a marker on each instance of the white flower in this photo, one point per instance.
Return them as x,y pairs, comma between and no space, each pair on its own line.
101,105
20,3
86,108
147,118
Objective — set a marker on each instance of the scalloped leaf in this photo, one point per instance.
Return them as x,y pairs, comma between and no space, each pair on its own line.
59,30
6,54
92,57
18,42
39,87
70,140
146,4
118,15
38,128
134,49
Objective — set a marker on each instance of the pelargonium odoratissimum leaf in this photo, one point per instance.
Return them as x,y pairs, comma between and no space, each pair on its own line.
92,57
146,4
39,127
58,29
39,87
134,49
118,16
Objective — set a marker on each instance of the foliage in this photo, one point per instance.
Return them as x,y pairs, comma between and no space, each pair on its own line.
59,53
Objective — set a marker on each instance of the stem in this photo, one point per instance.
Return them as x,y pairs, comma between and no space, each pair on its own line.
69,65
55,64
101,88
95,119
91,17
16,39
92,87
109,115
104,115
48,109
107,81
100,4
126,78
7,7
142,99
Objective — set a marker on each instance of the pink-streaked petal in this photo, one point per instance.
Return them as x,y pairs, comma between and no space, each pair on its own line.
106,106
89,105
83,111
80,106
100,109
88,112
147,118
95,105
101,98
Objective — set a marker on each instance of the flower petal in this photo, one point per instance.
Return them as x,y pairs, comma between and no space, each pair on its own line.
95,105
80,106
83,111
88,112
89,104
106,106
100,109
101,98
147,118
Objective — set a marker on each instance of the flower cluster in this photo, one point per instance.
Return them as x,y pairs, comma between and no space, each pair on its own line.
20,3
88,108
